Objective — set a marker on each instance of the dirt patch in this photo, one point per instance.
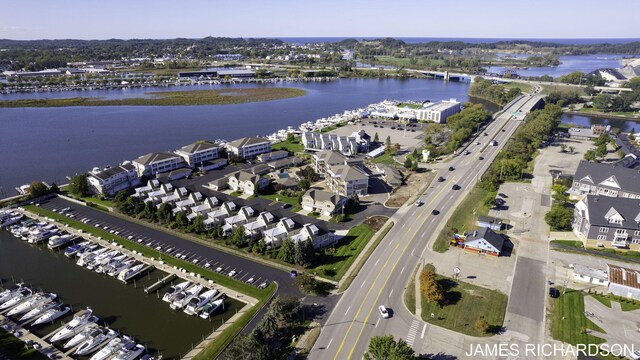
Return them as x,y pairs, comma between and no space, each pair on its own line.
376,222
413,184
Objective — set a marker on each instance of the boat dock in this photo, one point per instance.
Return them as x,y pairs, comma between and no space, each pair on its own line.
30,338
147,268
153,287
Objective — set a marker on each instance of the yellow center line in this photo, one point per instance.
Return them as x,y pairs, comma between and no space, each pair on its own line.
380,273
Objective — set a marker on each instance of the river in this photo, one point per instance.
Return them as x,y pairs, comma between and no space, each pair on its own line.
51,143
568,64
587,121
123,307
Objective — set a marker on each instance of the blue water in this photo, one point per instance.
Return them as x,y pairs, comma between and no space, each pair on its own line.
583,63
587,121
51,143
415,40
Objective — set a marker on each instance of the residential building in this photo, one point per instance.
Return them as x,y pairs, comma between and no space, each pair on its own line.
323,202
218,184
347,180
197,153
605,179
286,163
157,162
246,182
274,155
249,147
392,176
348,145
605,221
322,160
624,282
438,112
484,241
111,180
589,275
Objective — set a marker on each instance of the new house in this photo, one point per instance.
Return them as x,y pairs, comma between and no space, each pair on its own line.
246,182
249,147
605,221
274,155
197,153
605,179
347,180
111,180
323,202
348,145
158,162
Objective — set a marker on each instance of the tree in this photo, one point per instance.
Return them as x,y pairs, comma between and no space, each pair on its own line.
54,189
481,324
601,150
291,137
121,196
572,149
79,186
260,247
387,142
181,219
149,211
408,163
287,251
429,286
298,255
386,348
304,184
237,238
489,199
590,155
376,138
559,218
37,189
602,101
563,147
307,283
198,225
308,253
165,213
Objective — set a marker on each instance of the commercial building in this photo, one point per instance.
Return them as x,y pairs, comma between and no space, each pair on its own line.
589,275
484,241
605,179
438,112
158,162
605,221
249,147
197,153
624,282
111,180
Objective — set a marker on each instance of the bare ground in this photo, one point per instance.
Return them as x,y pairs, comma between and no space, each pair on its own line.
415,182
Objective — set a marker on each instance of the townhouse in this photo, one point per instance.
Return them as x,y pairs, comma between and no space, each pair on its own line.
605,179
158,162
249,147
609,222
323,202
111,180
246,182
351,145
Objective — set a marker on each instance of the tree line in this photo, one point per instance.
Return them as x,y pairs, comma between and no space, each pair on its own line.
459,128
496,93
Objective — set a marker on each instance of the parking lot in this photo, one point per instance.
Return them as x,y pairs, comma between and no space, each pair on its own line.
409,136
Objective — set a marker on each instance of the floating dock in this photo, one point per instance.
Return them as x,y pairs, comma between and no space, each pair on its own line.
153,287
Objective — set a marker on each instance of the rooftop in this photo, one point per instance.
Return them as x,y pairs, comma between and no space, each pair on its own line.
155,157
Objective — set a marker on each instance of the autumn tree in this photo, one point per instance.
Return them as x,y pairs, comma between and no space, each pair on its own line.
429,286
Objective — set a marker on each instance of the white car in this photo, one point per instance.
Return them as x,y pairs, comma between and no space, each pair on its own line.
635,355
419,203
383,311
251,280
232,273
219,269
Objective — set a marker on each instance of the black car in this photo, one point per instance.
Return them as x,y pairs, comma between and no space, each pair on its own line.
451,168
435,212
455,187
440,179
554,293
480,158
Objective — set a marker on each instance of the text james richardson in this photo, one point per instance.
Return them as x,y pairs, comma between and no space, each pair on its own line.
548,350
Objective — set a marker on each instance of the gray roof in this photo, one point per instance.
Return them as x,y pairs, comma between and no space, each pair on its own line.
330,157
155,157
274,153
599,207
197,147
321,195
107,173
490,236
290,161
348,173
246,141
595,173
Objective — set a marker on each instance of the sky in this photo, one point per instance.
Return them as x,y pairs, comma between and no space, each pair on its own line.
162,19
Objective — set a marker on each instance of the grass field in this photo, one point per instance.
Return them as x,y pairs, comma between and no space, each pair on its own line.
571,243
525,88
293,201
568,322
291,146
169,98
462,218
619,113
386,158
603,299
546,89
466,304
13,348
410,293
333,264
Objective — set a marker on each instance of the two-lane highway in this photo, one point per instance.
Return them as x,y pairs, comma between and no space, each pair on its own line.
355,318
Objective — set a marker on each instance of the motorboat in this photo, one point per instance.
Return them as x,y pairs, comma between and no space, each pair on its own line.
95,339
114,261
9,292
11,220
196,303
211,308
175,290
129,352
57,241
116,269
42,235
36,311
80,337
128,274
183,298
51,315
79,322
112,348
74,249
88,256
17,298
32,303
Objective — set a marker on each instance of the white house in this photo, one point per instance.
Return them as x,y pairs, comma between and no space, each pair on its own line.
197,153
157,162
109,181
347,180
249,147
323,202
246,182
589,275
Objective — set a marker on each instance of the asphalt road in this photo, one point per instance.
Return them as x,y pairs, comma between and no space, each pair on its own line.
382,280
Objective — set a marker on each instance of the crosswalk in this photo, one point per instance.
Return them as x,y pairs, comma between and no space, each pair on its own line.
413,332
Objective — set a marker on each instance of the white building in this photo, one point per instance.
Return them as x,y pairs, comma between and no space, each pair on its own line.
347,145
111,180
249,147
624,282
197,153
438,112
246,182
589,275
158,162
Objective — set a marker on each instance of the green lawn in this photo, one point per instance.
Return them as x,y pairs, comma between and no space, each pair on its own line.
291,200
385,158
466,304
462,218
625,304
568,321
410,106
629,305
620,113
603,299
525,88
410,293
571,243
333,264
13,348
546,89
291,146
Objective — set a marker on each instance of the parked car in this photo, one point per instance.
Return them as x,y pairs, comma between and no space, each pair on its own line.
383,311
480,158
554,293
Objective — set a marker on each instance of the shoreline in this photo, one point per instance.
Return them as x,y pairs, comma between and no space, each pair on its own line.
602,115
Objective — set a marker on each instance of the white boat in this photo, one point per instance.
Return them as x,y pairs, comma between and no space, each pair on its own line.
129,352
95,339
80,337
74,249
57,241
51,315
79,322
17,298
42,235
112,348
211,308
11,220
103,267
197,303
88,256
10,292
123,265
185,296
128,274
36,311
175,290
32,303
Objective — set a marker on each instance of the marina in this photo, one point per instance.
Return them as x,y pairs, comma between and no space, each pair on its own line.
166,333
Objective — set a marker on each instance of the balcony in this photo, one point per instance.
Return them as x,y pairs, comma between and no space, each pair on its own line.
621,240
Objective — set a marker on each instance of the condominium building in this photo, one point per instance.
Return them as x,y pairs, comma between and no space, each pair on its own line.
197,153
249,147
605,179
158,162
111,180
606,221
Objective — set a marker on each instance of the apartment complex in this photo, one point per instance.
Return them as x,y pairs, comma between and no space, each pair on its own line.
158,162
111,180
196,154
357,142
606,179
249,147
606,221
